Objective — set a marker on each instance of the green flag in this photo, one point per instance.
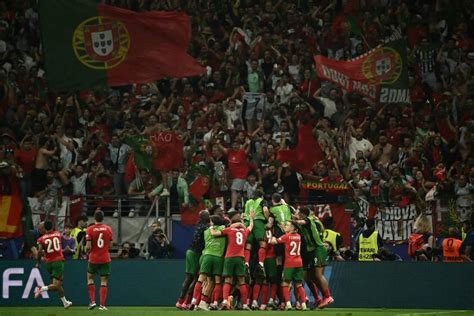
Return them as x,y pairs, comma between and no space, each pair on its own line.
142,149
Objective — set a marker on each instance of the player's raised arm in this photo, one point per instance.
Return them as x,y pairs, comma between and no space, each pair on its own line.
251,217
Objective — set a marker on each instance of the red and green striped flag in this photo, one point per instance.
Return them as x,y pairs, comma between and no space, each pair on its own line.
87,45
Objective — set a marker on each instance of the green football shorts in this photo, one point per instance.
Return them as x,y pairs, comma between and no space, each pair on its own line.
234,266
211,265
192,262
103,269
293,274
55,269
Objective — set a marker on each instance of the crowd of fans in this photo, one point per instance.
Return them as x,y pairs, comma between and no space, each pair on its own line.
259,87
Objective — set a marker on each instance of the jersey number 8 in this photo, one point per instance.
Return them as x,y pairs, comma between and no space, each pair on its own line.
239,238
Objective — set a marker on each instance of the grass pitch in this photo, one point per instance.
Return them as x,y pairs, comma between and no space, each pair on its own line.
170,311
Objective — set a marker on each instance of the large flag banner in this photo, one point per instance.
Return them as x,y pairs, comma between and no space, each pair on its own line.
381,74
169,151
10,216
87,44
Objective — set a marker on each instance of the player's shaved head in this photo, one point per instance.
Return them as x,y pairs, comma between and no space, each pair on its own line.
204,216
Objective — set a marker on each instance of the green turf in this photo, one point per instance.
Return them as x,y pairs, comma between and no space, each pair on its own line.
164,311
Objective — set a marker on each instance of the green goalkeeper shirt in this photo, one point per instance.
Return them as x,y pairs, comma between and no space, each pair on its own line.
281,213
255,205
214,246
311,235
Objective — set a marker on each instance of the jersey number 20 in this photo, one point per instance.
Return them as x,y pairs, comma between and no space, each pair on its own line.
52,245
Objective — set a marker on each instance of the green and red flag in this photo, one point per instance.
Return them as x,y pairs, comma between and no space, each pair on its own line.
142,150
381,74
87,44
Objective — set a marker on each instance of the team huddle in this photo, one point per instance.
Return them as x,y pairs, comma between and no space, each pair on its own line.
239,261
98,240
250,260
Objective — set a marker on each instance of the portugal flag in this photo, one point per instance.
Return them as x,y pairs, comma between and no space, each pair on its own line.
10,216
87,44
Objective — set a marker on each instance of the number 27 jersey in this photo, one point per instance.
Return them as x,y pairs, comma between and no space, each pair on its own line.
100,236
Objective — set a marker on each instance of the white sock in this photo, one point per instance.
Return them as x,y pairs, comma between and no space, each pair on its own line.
44,289
261,264
64,300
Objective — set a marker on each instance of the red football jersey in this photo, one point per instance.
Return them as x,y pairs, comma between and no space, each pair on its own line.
51,243
270,250
292,250
100,236
236,238
238,164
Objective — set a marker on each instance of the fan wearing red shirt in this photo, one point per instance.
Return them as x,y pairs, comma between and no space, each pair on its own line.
50,245
293,267
238,167
98,238
234,265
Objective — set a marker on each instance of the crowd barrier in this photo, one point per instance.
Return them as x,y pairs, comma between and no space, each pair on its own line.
157,283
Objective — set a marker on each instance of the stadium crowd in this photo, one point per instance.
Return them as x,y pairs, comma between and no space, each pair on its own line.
259,89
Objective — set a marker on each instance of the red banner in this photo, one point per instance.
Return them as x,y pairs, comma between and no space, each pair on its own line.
352,75
306,153
169,151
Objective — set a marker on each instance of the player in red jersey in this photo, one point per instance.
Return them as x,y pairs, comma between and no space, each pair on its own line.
99,238
293,267
270,284
50,245
234,265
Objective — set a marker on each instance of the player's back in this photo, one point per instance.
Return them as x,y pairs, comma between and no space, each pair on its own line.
51,242
100,236
292,243
236,238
